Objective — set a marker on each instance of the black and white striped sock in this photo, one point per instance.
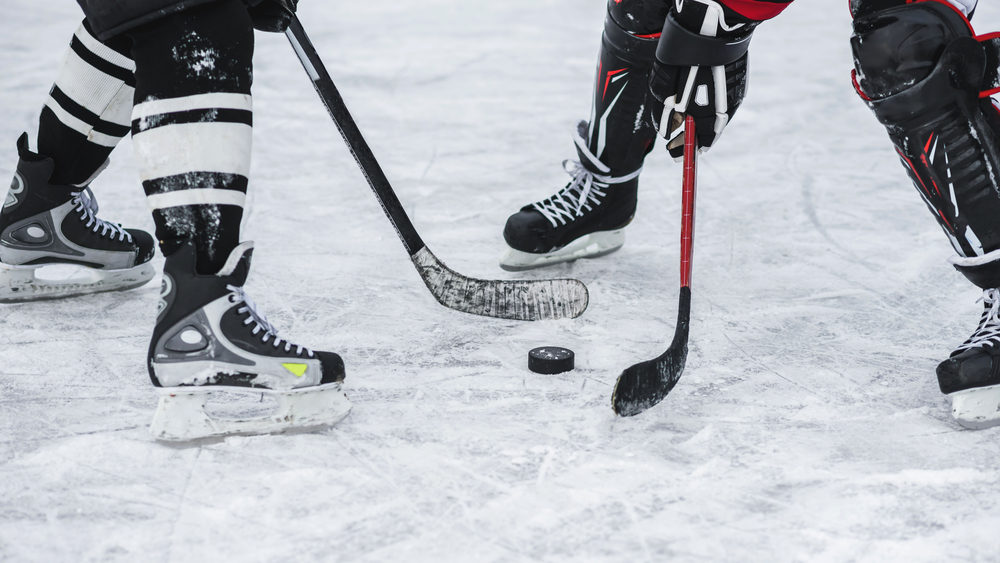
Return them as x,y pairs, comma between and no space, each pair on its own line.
194,159
88,109
192,126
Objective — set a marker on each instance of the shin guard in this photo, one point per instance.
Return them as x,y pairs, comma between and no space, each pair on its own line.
620,132
927,78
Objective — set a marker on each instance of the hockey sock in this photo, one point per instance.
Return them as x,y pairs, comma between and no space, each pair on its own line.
87,111
620,131
191,126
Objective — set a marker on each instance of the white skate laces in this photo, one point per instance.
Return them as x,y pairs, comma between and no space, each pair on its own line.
584,192
260,323
988,333
87,206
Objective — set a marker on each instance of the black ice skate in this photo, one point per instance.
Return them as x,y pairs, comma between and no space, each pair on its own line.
43,225
209,337
585,219
971,376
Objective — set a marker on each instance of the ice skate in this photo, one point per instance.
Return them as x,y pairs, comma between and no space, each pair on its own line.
52,244
585,219
210,341
971,376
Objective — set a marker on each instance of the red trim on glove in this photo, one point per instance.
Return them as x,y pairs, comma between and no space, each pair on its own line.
857,86
756,9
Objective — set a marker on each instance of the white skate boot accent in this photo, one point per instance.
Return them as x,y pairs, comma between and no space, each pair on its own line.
183,413
54,281
587,246
977,408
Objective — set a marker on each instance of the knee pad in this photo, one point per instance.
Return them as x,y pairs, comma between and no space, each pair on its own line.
899,47
632,29
897,44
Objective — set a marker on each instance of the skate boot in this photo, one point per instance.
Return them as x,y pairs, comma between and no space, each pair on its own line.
209,337
585,219
971,376
52,244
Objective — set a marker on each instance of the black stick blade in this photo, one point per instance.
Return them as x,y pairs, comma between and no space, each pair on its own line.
647,383
519,300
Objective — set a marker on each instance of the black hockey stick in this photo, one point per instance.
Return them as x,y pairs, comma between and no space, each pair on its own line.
647,383
523,300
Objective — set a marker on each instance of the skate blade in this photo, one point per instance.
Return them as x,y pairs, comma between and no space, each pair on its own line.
57,281
184,413
977,408
593,245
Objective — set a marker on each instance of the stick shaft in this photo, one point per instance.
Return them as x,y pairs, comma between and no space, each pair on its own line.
687,200
337,109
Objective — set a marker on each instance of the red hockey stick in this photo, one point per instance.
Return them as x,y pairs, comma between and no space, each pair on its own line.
647,383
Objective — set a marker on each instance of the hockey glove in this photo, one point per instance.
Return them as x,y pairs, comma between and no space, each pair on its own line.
272,15
700,70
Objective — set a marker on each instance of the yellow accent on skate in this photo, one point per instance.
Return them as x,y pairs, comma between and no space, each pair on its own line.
298,369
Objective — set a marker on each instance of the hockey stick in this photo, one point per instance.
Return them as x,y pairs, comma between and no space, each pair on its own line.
643,385
522,300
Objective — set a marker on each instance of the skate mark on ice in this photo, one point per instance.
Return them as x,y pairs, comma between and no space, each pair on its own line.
363,455
130,479
507,491
181,501
771,370
87,340
450,74
637,528
808,187
21,442
350,446
430,163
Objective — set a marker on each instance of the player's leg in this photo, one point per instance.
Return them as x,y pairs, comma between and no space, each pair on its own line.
49,214
586,218
927,78
191,129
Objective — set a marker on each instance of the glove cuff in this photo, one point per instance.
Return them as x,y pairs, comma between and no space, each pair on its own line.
680,47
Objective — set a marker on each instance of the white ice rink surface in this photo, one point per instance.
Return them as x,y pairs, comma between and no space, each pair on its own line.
807,427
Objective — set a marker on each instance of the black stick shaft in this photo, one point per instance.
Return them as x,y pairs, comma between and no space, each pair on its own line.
352,136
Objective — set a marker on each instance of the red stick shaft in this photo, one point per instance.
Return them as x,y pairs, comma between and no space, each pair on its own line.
687,200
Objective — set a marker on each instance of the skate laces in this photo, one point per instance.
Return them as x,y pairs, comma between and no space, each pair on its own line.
988,333
86,204
584,192
261,324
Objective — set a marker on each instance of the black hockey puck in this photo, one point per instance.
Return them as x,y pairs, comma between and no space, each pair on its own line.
550,360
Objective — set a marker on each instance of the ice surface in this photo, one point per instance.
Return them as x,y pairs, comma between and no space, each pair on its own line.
807,426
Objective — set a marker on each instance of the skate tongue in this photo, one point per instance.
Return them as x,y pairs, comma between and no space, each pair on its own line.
34,174
237,265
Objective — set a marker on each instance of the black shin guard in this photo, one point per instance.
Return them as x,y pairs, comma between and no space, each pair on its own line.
620,130
924,74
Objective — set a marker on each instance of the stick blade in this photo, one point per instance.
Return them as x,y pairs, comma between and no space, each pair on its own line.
647,383
519,300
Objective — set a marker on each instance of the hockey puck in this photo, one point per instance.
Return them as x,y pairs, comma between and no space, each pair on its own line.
550,360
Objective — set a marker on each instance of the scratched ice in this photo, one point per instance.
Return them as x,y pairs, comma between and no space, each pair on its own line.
807,426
